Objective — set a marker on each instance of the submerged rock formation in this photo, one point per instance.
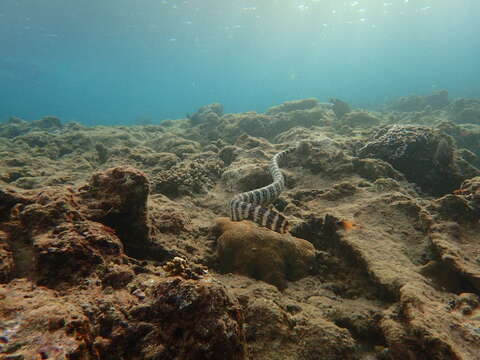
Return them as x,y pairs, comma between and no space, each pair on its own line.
113,241
434,101
426,157
261,253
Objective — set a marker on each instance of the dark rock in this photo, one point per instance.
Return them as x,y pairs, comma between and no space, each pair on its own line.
435,101
424,156
340,108
188,177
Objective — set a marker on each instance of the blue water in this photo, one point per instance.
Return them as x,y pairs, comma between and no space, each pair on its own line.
114,61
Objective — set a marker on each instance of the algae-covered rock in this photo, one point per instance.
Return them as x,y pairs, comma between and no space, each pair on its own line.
360,119
108,267
206,112
247,249
466,111
48,122
188,177
424,156
162,318
340,107
270,125
303,104
7,263
434,101
190,320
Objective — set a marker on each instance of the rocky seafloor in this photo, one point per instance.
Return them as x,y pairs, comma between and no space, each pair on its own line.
115,242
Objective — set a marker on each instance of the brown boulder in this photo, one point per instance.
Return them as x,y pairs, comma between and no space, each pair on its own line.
191,320
243,247
117,198
37,324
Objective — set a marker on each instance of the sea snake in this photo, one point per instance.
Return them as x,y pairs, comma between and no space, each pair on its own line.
247,205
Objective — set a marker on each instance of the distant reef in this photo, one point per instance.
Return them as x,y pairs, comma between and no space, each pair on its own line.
116,242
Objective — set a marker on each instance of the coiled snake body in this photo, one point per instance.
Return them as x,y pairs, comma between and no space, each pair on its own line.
247,205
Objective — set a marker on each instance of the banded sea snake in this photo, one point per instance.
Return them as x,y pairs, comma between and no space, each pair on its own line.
248,205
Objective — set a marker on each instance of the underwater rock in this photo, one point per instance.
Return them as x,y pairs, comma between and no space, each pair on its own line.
340,108
102,152
187,178
205,112
320,339
429,316
52,241
434,101
188,319
249,170
181,267
424,156
211,127
168,318
34,139
113,205
457,267
16,120
246,177
38,324
360,119
465,111
117,198
15,126
171,143
48,122
7,263
467,138
228,154
470,189
303,104
169,217
262,254
70,252
137,273
270,125
463,206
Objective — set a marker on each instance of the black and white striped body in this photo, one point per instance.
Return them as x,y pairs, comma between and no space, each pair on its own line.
247,205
